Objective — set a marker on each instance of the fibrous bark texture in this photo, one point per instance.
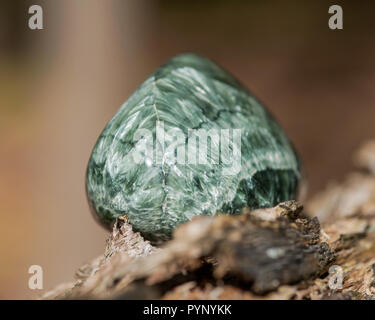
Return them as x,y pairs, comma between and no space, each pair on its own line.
275,253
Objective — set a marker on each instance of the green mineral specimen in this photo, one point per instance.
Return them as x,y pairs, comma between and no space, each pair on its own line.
190,141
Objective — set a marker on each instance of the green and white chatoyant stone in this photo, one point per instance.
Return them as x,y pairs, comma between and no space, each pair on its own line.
190,141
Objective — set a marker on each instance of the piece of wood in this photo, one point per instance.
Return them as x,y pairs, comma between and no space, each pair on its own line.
275,253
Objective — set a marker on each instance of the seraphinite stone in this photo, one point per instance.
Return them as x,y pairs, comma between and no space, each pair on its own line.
190,141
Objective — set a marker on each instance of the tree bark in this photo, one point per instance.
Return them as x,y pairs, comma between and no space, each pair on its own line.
275,253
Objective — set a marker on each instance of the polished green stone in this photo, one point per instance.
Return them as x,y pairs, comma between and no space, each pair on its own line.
189,92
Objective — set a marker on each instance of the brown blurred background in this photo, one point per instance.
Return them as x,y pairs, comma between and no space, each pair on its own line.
61,85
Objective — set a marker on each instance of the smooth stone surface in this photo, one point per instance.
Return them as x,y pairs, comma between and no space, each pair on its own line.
157,194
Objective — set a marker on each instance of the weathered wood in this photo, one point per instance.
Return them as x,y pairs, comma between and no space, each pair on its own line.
276,253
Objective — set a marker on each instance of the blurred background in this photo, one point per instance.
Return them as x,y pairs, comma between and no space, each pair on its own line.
60,86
